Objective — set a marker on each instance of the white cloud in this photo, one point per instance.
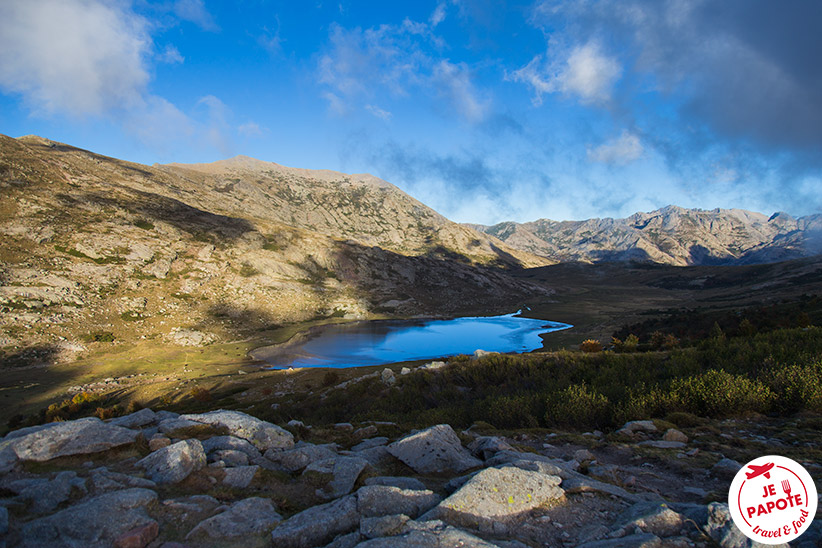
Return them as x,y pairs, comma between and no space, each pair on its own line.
583,71
250,129
590,74
195,12
455,83
73,56
394,60
378,112
171,55
438,16
623,150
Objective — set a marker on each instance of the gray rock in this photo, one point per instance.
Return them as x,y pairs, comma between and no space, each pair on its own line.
91,524
662,444
435,450
721,529
44,495
655,518
294,460
639,540
387,377
318,525
384,526
400,482
455,483
232,443
632,427
532,461
135,420
252,516
8,458
405,371
486,447
369,443
345,541
240,476
344,427
725,469
433,366
175,462
383,500
376,456
103,480
294,423
583,484
365,431
430,534
4,520
229,457
341,473
582,455
175,427
61,439
165,415
263,435
672,434
496,495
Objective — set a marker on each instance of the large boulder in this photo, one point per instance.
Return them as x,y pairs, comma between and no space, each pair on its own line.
240,476
294,460
46,495
263,435
62,439
339,473
252,516
175,462
435,450
91,524
429,534
231,443
652,517
318,525
498,495
383,500
725,533
637,540
400,482
140,418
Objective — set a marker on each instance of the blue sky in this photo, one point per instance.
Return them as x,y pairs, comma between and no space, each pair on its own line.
486,111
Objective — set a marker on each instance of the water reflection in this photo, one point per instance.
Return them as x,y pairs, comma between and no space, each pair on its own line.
382,342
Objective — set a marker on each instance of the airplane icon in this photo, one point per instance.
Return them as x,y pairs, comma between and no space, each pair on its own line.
765,470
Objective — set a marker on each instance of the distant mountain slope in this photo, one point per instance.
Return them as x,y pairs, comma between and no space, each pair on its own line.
95,249
671,235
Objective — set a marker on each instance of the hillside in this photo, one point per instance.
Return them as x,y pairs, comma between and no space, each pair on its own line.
671,235
97,250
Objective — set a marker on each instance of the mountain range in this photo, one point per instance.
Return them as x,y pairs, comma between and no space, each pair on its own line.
98,250
671,235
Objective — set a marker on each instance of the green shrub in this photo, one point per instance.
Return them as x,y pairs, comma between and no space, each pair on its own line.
577,406
717,393
797,387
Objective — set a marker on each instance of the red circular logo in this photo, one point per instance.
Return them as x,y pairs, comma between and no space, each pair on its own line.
772,499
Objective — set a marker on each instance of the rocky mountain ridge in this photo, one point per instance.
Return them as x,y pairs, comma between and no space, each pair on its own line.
225,478
671,235
97,249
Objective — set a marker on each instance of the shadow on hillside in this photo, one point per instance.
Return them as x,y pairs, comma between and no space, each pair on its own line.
41,354
153,207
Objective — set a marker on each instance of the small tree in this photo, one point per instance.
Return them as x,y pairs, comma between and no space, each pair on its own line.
591,345
631,343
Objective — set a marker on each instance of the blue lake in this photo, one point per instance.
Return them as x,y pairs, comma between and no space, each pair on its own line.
382,342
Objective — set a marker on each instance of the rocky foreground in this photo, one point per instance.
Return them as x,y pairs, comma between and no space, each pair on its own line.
225,478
